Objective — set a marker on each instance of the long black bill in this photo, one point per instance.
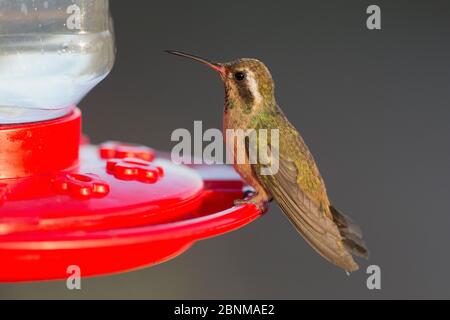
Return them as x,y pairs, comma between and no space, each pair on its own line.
216,66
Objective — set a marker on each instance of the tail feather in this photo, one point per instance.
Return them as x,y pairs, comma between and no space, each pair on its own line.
351,234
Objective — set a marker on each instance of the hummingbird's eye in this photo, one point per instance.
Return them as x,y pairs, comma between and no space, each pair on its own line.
239,76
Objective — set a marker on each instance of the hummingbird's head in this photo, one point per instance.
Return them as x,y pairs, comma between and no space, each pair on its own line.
248,82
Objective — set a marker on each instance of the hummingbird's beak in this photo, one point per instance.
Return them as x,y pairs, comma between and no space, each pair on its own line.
213,65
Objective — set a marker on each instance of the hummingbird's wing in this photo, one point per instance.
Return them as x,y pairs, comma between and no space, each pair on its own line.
313,222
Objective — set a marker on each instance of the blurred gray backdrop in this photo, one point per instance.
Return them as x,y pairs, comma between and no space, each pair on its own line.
372,105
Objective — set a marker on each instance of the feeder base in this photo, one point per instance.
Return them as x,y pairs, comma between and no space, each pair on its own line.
105,209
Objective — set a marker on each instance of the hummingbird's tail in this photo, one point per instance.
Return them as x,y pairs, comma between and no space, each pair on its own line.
351,234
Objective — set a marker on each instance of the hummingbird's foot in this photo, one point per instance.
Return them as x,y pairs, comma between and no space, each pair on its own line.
249,193
259,201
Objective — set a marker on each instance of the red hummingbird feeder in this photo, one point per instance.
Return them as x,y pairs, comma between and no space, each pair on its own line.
106,209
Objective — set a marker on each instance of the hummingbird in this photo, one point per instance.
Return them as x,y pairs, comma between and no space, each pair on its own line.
297,186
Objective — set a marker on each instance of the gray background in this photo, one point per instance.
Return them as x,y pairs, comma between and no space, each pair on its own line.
373,106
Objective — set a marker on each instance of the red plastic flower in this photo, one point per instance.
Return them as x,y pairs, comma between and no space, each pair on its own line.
137,170
117,150
85,186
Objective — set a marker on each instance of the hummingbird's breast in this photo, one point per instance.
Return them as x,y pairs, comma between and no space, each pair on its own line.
235,119
239,113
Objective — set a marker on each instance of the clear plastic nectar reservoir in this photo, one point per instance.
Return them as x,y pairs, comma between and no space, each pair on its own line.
52,53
